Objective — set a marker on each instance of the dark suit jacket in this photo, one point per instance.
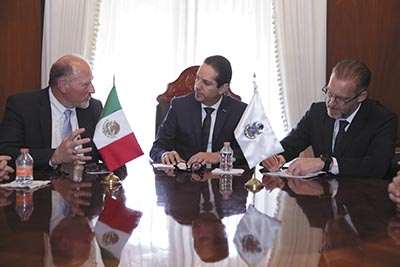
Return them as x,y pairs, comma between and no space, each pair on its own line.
27,123
369,142
181,129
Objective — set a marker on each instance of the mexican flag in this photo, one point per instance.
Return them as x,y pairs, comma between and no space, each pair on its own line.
115,225
113,137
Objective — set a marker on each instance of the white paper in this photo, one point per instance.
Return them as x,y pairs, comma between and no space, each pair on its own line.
160,166
285,174
232,171
33,185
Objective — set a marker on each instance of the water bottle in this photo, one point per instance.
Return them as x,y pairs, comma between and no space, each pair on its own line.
226,153
225,186
24,204
24,167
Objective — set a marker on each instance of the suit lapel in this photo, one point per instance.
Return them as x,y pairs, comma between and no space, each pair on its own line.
197,121
45,118
222,115
358,123
328,133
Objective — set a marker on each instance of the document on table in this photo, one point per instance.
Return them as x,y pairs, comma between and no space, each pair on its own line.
160,166
285,174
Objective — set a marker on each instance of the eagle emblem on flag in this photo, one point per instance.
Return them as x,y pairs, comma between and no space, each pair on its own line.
111,128
251,131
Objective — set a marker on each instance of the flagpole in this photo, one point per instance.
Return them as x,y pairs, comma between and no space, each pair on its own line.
114,80
254,82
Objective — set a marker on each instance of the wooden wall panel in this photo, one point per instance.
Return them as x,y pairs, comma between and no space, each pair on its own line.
20,47
369,31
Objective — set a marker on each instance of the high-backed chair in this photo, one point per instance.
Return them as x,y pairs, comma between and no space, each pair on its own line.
183,85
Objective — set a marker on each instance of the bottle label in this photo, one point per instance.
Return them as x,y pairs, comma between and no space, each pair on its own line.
24,171
24,199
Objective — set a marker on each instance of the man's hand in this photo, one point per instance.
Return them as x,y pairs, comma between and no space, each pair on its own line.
204,158
4,197
73,193
394,190
274,163
171,157
68,151
4,168
303,166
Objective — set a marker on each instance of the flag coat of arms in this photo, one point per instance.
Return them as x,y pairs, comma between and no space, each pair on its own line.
115,225
113,136
255,135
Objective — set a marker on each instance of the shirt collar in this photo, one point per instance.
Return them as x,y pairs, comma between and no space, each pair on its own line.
215,106
56,105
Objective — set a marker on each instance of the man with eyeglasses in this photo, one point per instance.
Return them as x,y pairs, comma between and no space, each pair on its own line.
350,134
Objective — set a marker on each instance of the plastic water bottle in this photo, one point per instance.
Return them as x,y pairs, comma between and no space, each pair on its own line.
24,204
24,167
226,153
225,186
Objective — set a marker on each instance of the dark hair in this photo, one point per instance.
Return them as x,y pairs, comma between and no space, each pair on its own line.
348,69
221,65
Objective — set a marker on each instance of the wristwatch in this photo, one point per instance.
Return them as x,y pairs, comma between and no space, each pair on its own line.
327,162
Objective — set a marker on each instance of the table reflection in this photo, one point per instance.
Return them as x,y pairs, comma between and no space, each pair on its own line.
190,219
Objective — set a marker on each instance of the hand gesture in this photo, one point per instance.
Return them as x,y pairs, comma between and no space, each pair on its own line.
71,149
4,168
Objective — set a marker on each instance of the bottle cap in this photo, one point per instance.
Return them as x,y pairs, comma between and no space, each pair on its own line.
227,143
24,150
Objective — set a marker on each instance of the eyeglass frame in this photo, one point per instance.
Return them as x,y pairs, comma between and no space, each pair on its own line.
342,101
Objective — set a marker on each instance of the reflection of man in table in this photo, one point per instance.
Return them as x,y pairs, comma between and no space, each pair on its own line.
71,241
201,205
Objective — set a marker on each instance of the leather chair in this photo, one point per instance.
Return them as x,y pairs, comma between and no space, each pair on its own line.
183,85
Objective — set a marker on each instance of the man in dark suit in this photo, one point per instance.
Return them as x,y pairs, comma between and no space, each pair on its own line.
179,137
364,147
36,119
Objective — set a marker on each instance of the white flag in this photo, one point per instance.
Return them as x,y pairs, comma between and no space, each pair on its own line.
255,135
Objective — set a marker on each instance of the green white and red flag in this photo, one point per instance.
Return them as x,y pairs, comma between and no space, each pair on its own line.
113,136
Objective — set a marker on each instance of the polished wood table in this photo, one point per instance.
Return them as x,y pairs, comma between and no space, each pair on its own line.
190,219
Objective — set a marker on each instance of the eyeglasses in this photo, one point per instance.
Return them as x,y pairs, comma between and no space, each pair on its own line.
338,99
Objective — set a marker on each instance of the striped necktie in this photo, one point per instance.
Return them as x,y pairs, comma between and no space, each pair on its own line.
66,127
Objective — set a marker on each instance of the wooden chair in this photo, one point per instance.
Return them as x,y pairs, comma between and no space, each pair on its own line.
183,85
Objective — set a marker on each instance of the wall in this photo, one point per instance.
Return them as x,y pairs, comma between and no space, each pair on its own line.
369,31
20,47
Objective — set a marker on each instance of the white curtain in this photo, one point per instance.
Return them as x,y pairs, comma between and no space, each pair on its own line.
69,27
301,44
146,44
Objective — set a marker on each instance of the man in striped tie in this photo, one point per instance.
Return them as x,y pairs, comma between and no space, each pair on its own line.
56,123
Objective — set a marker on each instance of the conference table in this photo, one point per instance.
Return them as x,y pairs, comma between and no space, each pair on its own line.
182,218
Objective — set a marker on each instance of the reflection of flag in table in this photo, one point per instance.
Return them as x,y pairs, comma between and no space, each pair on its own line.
113,137
254,133
115,225
255,235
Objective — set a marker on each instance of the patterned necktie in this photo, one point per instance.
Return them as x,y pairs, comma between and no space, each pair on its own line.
340,137
205,130
66,127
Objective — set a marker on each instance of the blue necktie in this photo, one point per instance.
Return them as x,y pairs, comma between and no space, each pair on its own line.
66,127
